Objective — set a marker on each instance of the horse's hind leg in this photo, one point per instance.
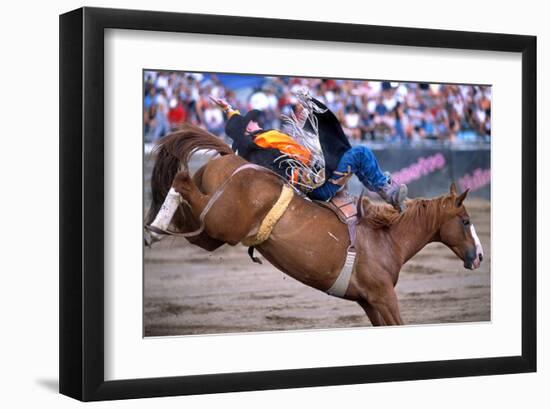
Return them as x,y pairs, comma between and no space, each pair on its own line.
186,187
373,314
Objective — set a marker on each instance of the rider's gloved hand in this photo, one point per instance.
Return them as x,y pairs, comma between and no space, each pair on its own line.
222,103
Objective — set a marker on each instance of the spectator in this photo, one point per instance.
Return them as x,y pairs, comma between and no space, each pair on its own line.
213,119
352,121
177,114
379,111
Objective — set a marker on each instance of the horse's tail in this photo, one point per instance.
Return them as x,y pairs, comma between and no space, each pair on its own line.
174,152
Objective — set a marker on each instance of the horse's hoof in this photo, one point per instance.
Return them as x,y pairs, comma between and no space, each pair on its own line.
147,238
150,237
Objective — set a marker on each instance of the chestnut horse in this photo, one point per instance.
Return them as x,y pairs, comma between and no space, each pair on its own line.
308,242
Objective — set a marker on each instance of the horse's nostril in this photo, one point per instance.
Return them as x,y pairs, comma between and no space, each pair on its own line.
480,257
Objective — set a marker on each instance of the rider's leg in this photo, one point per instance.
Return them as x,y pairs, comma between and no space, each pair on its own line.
362,161
325,192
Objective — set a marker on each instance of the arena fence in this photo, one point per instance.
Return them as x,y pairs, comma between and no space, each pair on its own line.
428,171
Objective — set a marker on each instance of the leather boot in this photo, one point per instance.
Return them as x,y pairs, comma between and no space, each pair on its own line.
394,194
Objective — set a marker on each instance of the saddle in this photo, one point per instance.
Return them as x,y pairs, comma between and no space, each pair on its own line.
344,206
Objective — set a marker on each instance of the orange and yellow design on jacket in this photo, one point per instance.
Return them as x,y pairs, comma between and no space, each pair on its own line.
281,141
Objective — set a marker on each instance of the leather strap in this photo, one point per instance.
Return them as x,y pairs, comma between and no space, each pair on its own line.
340,286
213,199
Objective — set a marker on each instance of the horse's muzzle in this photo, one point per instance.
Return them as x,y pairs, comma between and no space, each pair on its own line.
473,259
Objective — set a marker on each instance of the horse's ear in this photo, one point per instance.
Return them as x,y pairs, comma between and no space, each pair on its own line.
461,198
453,189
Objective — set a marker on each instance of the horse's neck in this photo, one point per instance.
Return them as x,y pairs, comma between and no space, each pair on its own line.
412,234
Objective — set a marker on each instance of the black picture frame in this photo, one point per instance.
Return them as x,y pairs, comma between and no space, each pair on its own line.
82,200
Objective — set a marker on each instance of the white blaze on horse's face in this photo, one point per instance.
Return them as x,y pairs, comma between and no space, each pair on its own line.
479,248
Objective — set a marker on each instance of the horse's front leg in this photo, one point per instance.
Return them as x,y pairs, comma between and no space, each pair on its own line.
384,299
375,285
373,314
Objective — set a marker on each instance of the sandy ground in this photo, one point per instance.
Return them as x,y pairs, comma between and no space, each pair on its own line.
190,291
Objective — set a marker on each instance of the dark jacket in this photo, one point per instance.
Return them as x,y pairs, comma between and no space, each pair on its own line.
334,142
244,146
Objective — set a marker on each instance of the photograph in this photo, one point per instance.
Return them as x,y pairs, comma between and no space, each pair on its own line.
253,202
284,203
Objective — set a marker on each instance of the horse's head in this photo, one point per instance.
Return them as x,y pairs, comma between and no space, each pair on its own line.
457,231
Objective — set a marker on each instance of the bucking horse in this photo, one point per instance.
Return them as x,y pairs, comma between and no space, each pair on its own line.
230,201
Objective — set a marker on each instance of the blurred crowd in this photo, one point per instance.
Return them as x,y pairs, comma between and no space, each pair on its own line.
379,111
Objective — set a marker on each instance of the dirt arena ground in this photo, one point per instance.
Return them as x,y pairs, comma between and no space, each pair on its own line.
190,291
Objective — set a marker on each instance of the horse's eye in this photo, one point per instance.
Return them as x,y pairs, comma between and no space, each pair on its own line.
465,222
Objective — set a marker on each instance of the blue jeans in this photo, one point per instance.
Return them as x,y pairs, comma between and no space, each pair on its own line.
359,160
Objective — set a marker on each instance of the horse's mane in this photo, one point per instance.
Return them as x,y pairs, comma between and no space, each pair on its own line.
382,215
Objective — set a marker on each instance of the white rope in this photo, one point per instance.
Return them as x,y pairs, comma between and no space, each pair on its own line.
312,174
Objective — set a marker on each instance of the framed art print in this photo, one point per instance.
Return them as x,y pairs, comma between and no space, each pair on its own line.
254,204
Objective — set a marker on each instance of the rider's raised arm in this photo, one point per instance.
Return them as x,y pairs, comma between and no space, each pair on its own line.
225,107
235,128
